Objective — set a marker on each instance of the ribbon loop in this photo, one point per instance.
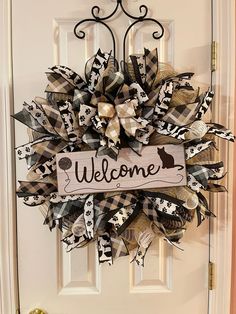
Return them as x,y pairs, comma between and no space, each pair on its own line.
106,110
127,110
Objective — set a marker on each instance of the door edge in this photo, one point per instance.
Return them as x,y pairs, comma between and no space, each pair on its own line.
223,113
9,300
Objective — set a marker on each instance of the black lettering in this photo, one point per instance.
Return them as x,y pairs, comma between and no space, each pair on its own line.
96,175
112,174
104,170
85,173
123,171
150,168
137,170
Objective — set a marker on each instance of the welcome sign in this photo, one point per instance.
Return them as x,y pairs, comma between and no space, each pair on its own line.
83,172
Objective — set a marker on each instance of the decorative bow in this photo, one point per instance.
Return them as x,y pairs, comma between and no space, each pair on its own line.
122,114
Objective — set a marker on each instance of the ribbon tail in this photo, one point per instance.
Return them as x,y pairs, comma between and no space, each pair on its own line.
113,129
130,125
104,248
89,216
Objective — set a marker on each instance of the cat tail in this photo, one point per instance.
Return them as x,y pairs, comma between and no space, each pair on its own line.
180,167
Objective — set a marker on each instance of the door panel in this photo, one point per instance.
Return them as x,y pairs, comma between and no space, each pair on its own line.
66,283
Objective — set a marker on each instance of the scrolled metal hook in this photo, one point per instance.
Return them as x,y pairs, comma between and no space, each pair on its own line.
156,35
95,8
81,34
141,17
98,9
143,9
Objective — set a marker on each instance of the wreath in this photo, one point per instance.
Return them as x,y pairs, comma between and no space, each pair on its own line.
147,103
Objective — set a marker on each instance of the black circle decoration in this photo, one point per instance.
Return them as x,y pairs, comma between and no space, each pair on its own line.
65,163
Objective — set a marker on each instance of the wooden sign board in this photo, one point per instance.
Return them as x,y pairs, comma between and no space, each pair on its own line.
83,172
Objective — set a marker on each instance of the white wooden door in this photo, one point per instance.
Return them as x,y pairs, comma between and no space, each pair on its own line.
66,283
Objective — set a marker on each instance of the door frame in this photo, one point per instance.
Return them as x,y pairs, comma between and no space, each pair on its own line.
223,113
8,243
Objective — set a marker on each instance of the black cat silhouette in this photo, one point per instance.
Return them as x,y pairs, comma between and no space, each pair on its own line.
96,70
167,159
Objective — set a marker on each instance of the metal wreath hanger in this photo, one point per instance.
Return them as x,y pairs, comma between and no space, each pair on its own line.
143,9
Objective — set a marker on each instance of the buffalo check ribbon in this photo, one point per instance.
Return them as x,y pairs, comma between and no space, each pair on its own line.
91,138
97,97
113,129
121,114
64,208
58,84
80,97
44,167
36,188
200,173
63,80
125,93
26,118
49,219
181,114
49,148
35,110
158,214
117,201
135,145
27,150
112,82
118,246
217,170
151,65
55,119
202,209
109,148
32,160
